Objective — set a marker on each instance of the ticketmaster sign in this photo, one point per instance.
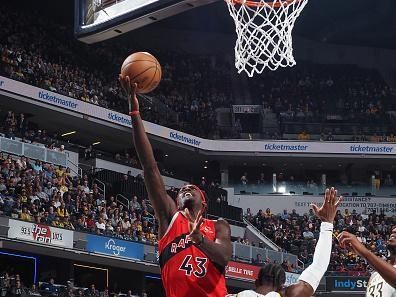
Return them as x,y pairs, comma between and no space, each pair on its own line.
246,146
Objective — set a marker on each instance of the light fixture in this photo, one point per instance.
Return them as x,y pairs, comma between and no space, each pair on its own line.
282,189
96,143
206,167
206,161
68,133
166,155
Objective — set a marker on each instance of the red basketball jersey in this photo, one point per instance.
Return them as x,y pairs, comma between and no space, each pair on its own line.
185,270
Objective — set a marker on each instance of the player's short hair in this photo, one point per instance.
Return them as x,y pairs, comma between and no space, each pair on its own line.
272,274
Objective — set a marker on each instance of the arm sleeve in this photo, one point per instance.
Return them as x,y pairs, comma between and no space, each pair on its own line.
314,272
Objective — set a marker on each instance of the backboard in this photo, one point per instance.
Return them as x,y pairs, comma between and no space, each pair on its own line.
97,20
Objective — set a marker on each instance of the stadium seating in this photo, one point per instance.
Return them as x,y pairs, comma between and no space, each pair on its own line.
324,102
12,284
297,234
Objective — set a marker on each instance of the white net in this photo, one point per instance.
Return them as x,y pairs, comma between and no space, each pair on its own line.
264,33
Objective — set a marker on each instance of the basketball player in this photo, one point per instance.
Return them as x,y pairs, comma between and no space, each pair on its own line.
272,277
382,283
193,251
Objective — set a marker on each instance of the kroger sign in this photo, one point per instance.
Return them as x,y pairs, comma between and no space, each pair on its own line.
115,247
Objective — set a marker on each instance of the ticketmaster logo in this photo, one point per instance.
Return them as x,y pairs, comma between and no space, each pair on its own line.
371,149
56,100
183,138
119,119
285,147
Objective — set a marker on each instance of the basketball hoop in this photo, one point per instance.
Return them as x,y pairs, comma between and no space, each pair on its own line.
264,33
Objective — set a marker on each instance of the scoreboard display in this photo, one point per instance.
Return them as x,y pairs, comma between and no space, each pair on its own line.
97,20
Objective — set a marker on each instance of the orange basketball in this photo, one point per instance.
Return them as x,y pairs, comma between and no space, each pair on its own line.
143,69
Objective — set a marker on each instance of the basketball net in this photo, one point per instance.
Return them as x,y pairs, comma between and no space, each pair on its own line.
264,33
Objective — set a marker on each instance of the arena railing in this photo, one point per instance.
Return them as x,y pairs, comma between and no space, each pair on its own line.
248,253
301,188
33,151
241,252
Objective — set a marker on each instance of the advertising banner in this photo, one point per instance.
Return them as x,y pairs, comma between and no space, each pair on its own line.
115,247
346,283
43,234
246,108
302,203
262,146
250,272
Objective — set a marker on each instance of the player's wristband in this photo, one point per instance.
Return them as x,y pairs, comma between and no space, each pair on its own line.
134,113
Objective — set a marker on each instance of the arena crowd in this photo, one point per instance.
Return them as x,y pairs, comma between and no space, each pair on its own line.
298,233
193,87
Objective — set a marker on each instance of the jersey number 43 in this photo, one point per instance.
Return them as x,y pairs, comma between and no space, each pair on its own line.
199,269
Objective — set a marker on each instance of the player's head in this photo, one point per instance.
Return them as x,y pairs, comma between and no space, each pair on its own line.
271,275
392,242
191,197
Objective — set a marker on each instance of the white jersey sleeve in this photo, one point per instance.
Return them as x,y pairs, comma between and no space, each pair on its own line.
378,287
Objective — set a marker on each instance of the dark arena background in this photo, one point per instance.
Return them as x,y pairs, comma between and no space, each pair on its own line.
75,219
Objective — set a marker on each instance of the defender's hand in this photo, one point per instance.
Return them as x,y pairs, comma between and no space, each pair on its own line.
328,210
350,242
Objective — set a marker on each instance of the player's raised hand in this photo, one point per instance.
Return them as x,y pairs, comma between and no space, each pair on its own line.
328,210
194,226
350,242
130,91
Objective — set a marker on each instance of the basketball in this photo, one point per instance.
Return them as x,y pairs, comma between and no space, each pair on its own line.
143,69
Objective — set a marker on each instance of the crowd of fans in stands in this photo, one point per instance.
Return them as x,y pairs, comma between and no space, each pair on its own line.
44,55
315,92
298,234
192,86
11,284
42,193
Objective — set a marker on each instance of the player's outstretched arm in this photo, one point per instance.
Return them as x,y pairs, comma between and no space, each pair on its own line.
164,206
310,278
385,269
220,250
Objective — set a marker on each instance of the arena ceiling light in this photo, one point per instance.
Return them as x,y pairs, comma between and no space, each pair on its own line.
96,143
282,189
69,133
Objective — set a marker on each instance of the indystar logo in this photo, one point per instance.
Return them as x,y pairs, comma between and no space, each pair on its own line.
114,248
350,284
291,278
46,96
119,119
183,138
371,149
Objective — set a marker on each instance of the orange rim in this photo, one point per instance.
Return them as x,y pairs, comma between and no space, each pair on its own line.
260,4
